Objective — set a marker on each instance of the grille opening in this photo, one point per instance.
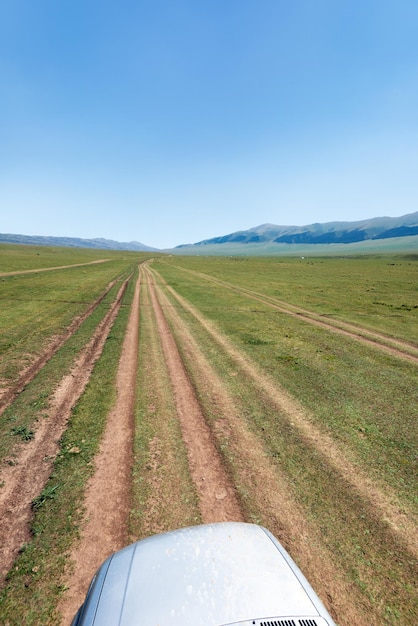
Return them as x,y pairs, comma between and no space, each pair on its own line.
279,622
287,622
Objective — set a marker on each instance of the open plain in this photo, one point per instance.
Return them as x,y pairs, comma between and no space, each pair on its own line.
141,394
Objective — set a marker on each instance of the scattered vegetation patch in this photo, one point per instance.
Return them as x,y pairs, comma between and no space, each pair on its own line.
23,432
255,341
49,493
290,359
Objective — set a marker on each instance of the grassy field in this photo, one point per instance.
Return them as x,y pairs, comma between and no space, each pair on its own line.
394,245
18,258
365,400
378,292
36,308
290,381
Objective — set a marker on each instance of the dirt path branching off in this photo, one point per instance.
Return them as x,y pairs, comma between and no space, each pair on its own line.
51,269
386,502
395,347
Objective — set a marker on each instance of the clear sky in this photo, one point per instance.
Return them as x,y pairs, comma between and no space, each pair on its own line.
173,121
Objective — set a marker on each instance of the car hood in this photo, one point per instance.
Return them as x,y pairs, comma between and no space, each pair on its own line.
214,574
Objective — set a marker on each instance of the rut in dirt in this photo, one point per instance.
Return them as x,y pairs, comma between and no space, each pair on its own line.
385,502
33,461
257,476
12,391
107,500
217,496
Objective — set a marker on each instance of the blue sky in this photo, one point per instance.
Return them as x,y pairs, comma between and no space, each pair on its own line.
173,121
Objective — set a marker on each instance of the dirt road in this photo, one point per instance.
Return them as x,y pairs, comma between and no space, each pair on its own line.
219,487
107,498
226,458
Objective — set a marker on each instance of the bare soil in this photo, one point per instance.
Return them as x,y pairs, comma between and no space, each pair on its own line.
32,462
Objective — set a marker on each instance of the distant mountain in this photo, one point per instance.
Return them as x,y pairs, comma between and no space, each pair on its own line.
327,233
372,234
74,242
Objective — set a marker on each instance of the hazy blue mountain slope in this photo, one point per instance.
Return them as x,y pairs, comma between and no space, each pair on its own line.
326,233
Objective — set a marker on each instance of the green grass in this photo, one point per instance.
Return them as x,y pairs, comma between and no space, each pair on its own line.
367,401
36,308
380,293
394,245
31,405
17,258
23,432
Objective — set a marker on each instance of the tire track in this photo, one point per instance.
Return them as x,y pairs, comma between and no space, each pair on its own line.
385,501
395,347
218,500
268,485
26,479
11,393
107,500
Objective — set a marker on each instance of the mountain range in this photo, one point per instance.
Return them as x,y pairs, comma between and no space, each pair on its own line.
397,232
75,242
326,233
